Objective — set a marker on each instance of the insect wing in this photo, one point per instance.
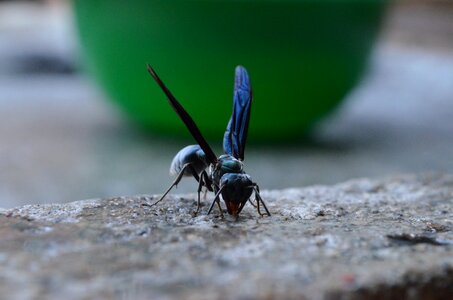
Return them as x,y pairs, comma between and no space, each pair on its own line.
185,117
235,136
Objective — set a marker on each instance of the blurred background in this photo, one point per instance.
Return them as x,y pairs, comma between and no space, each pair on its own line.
61,140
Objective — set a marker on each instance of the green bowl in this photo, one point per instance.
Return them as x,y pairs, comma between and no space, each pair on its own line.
303,56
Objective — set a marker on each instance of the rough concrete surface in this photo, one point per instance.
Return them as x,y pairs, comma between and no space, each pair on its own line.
363,239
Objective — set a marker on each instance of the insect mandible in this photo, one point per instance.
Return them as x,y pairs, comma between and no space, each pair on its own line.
223,175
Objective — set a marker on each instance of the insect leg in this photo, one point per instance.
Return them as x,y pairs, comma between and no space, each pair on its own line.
204,181
176,181
258,207
220,208
259,199
208,184
216,199
251,202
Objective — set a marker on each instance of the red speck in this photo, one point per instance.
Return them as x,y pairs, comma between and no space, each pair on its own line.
348,278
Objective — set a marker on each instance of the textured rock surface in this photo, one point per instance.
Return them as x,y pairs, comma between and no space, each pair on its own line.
322,242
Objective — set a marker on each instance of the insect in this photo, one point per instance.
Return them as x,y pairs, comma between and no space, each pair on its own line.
223,175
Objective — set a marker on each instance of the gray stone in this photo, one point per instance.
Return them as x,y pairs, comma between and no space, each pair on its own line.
363,239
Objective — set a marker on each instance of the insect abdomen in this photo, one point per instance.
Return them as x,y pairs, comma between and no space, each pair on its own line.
190,154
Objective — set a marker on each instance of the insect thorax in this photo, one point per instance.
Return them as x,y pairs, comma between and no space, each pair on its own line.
226,164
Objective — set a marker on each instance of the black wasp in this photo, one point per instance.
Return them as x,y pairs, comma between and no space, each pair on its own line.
225,175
